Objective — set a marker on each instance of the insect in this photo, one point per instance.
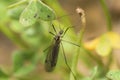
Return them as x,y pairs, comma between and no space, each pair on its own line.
52,56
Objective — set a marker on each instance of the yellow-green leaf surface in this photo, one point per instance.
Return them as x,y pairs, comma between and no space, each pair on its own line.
104,47
104,44
113,75
91,45
29,15
114,39
18,60
36,9
25,70
45,12
4,79
14,13
3,74
108,41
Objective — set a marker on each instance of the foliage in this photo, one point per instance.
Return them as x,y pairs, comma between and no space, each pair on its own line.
27,22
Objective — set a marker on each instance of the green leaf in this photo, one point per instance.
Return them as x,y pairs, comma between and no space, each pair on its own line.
15,12
87,78
36,58
4,79
45,12
102,79
3,74
31,37
16,27
24,70
94,73
113,75
36,9
114,39
24,62
18,60
29,15
20,57
104,47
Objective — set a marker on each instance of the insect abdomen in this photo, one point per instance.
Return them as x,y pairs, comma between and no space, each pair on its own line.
51,58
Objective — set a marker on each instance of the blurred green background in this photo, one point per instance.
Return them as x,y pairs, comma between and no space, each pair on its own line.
38,38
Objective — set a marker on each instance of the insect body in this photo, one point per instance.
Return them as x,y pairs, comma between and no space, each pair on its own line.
52,56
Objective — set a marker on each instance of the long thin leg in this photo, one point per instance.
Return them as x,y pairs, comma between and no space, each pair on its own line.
66,61
51,33
54,28
46,48
71,43
66,30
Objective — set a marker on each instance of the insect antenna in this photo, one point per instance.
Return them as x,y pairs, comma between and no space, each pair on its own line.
67,62
66,31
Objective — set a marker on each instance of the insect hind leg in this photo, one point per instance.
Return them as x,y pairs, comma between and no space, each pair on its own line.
67,62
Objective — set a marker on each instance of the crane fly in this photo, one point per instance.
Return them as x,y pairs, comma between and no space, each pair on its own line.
52,55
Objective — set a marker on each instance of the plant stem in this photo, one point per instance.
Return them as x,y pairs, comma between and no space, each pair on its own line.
107,15
80,37
76,56
109,28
